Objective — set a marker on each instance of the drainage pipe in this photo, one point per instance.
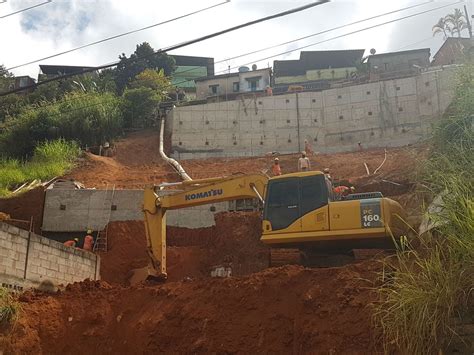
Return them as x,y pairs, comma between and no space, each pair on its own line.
176,166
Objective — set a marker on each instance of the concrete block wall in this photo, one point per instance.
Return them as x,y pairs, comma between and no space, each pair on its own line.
379,114
78,210
29,260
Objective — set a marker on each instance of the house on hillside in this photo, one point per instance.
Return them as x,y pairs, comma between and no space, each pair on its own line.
454,51
52,71
23,81
398,64
229,86
315,70
189,68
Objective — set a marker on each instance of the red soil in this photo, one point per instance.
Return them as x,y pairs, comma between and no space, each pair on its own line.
281,310
234,242
24,207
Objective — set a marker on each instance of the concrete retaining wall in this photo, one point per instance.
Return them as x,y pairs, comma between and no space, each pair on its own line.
29,260
78,210
379,114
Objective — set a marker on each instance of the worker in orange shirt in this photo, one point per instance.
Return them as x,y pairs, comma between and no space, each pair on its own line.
276,169
71,243
342,191
88,241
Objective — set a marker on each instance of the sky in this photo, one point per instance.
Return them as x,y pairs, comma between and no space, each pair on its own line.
64,24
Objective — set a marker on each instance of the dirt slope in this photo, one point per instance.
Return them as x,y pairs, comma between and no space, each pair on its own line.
281,310
138,163
191,253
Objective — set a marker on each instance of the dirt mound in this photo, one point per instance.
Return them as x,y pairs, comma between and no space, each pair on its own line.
24,206
233,242
281,310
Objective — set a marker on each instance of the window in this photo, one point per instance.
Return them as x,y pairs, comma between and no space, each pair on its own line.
213,89
313,193
385,65
281,207
253,85
292,198
236,87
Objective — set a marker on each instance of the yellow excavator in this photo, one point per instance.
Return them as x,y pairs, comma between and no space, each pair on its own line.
300,212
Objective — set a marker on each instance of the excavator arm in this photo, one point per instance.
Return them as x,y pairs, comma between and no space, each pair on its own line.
188,194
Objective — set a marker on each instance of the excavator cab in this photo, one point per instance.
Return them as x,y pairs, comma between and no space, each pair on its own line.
291,197
301,212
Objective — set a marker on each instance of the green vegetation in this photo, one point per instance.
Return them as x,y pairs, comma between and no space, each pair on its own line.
50,159
88,109
432,283
453,24
9,307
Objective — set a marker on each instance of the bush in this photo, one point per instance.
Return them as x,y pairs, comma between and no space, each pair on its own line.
433,284
9,308
88,118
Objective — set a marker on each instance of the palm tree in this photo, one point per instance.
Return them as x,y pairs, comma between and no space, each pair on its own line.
457,22
441,27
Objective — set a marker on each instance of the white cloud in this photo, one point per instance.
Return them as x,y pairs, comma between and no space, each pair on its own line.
64,24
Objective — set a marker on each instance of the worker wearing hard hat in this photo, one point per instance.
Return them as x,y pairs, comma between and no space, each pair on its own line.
327,173
276,168
303,162
88,241
71,243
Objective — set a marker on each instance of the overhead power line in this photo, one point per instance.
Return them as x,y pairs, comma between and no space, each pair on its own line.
326,31
183,44
119,35
25,9
345,34
311,35
326,40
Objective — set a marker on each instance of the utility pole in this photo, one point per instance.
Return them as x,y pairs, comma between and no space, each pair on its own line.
469,27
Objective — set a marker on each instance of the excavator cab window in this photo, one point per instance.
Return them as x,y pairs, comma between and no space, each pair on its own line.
282,207
291,198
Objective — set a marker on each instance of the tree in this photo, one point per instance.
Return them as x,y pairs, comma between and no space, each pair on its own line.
142,98
452,23
143,58
441,27
457,22
5,78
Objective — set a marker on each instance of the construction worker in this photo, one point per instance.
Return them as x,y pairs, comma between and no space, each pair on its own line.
303,162
88,241
327,174
269,91
276,169
71,243
342,191
307,147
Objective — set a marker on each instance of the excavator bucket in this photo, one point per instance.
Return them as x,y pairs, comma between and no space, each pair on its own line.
144,274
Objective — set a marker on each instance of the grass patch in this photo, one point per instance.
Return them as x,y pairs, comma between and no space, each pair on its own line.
50,159
9,307
431,285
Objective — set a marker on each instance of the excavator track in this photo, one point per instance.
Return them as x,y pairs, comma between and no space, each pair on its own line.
285,256
312,258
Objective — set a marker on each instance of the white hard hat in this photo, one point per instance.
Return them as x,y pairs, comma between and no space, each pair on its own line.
106,144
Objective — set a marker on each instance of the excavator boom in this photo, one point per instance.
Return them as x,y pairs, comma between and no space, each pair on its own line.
191,193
